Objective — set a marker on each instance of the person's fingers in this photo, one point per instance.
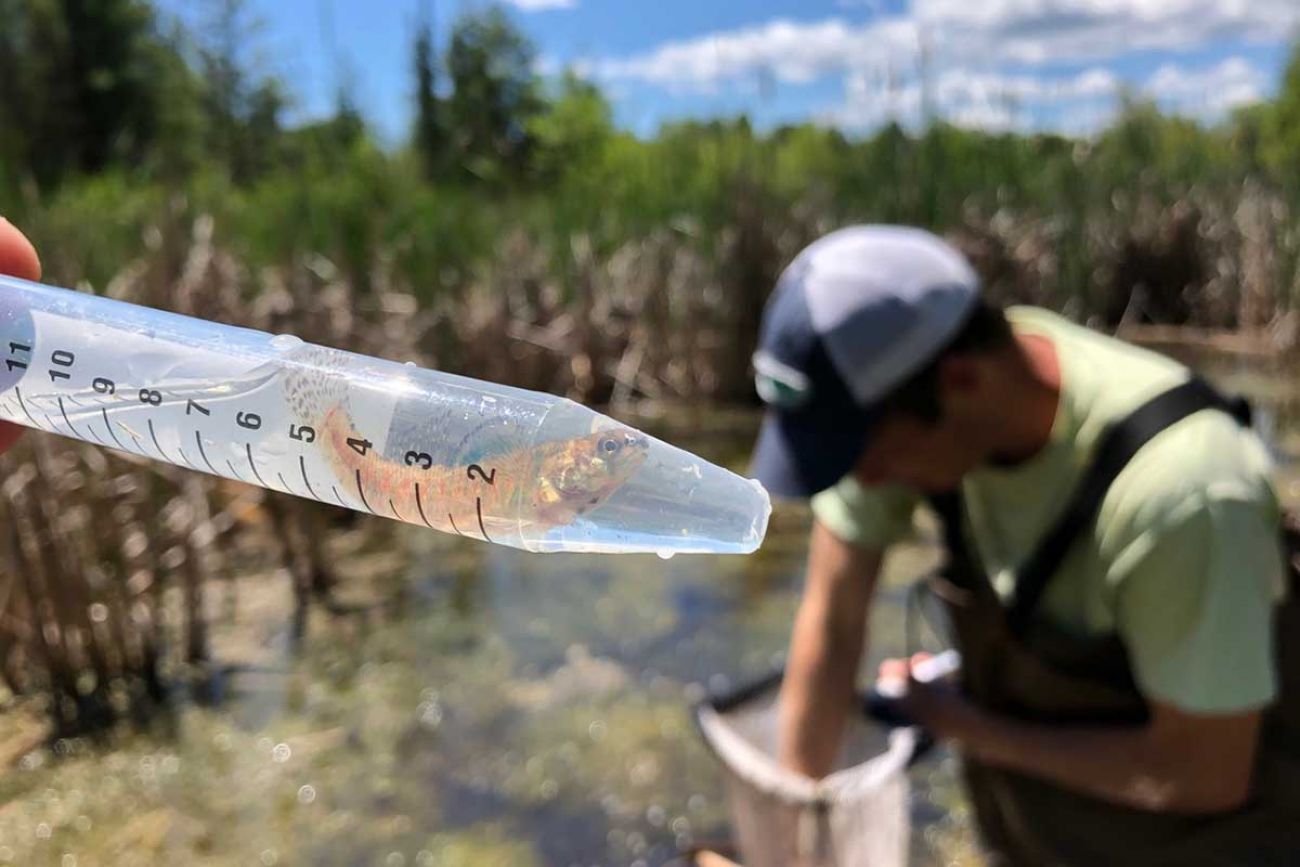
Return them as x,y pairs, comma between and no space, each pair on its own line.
893,669
18,259
9,434
17,255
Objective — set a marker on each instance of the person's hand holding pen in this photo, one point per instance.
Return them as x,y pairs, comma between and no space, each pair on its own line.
17,259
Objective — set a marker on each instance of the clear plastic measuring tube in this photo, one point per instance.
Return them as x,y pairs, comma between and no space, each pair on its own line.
502,464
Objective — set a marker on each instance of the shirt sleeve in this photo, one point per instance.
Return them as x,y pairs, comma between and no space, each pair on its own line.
870,517
1194,605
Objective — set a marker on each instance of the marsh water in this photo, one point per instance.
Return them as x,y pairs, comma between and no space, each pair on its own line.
476,705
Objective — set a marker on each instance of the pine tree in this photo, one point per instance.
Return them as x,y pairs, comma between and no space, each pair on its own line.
429,139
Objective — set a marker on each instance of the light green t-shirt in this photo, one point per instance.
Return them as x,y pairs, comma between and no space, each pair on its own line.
1184,562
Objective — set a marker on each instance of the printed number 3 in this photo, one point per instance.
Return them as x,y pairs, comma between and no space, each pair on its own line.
421,459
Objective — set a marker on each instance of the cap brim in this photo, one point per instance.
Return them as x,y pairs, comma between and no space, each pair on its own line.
799,454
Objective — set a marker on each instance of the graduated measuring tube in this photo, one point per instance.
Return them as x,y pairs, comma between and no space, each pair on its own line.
502,464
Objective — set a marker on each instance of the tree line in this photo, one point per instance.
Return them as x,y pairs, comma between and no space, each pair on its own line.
109,109
89,86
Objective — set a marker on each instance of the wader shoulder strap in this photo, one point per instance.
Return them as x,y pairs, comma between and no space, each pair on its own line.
1116,448
962,567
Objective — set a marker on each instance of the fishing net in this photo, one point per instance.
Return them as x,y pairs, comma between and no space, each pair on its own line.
858,815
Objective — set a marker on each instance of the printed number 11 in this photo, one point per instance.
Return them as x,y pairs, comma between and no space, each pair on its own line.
13,349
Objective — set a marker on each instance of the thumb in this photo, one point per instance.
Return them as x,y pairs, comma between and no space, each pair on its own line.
17,255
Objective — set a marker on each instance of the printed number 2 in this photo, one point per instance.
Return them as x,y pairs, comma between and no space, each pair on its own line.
489,476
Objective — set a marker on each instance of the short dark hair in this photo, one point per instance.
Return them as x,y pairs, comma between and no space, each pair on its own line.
986,329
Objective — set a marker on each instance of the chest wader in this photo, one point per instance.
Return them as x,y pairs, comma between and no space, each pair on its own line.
1024,667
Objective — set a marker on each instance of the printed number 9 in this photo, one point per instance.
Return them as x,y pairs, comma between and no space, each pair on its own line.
423,459
104,386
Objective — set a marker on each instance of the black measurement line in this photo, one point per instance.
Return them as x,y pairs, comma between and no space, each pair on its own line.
158,445
96,436
252,463
453,524
302,465
235,471
186,458
478,507
198,439
283,482
68,420
362,492
396,514
21,403
339,498
420,506
111,433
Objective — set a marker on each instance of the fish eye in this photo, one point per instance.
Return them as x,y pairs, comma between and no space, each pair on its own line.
609,445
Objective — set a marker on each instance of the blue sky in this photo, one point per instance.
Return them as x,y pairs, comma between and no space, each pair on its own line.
853,64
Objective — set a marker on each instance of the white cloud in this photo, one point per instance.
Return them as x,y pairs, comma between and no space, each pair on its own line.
1038,31
791,52
1078,105
539,5
1208,93
957,33
977,99
982,60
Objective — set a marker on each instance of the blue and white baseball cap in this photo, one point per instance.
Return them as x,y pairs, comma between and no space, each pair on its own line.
855,315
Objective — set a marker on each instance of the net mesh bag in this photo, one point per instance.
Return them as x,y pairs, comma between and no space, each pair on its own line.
858,815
